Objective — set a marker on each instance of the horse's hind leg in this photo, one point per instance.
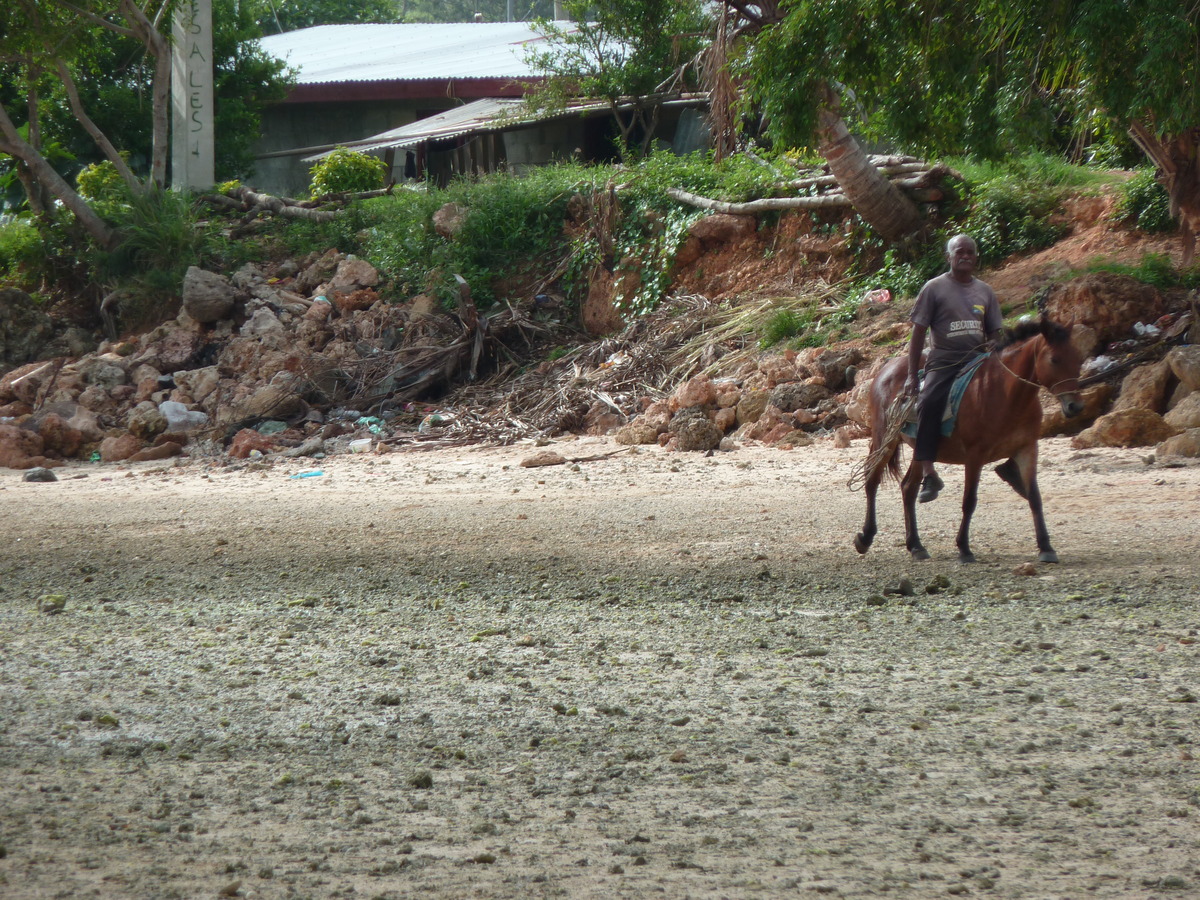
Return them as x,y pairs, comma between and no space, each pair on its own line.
908,491
864,539
970,498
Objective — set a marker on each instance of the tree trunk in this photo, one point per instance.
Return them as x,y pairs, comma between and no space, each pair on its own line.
101,139
159,47
877,200
1178,160
43,173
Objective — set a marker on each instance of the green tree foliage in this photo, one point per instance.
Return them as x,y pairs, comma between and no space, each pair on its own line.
465,10
275,16
633,50
955,76
289,15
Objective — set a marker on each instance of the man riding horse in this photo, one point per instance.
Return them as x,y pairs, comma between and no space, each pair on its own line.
963,314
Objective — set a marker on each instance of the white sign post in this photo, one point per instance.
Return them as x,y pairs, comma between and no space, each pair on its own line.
192,149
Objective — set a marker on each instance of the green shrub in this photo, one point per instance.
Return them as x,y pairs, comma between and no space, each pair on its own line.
1153,268
20,249
160,237
783,325
101,182
1143,203
347,171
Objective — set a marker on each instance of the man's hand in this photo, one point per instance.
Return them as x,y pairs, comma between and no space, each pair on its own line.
911,386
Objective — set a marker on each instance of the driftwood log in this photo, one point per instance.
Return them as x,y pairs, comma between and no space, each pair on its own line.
921,181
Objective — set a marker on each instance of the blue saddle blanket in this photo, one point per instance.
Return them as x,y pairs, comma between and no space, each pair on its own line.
957,389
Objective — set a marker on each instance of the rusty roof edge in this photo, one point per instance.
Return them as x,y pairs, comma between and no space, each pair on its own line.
398,139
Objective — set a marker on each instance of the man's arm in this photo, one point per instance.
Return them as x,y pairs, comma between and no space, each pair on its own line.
916,344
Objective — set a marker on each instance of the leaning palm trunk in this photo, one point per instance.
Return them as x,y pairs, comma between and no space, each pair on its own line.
881,204
1178,160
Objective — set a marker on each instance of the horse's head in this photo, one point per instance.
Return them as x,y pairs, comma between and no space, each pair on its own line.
1045,354
1057,367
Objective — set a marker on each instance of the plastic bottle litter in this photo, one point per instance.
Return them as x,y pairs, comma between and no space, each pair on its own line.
314,473
879,295
433,420
180,418
1146,330
1097,364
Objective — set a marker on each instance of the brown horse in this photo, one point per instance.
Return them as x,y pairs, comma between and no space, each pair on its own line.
1000,418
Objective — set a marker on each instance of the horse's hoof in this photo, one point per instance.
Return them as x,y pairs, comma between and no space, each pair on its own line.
919,553
861,544
967,558
1048,556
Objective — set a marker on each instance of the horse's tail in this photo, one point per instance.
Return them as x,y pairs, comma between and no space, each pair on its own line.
885,444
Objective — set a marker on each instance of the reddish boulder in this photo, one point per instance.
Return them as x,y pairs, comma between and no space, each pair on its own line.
118,448
722,228
248,440
1105,301
165,450
59,437
1146,387
20,448
1125,428
1185,444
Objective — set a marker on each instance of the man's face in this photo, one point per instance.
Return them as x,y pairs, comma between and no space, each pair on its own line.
963,258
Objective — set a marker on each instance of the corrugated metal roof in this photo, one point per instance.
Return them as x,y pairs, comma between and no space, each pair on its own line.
480,117
493,114
355,53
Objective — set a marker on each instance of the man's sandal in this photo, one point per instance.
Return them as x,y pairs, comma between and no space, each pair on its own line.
930,488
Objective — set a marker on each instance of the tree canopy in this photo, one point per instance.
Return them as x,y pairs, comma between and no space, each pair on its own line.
959,76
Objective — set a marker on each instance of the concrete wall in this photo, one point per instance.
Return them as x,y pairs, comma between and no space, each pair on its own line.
302,127
299,127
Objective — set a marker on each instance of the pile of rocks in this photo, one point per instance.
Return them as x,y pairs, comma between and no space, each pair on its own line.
243,351
259,364
785,400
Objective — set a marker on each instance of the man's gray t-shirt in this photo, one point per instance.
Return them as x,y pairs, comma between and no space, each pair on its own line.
959,317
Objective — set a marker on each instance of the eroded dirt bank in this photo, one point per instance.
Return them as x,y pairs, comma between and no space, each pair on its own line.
444,675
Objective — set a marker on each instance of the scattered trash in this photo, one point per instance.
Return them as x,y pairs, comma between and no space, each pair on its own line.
1096,365
362,445
879,295
314,473
180,418
434,420
373,424
1146,330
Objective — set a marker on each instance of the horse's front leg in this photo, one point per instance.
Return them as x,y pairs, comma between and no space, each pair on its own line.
1024,466
909,487
970,499
1046,553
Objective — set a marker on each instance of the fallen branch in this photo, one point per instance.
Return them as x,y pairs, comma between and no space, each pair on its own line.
822,201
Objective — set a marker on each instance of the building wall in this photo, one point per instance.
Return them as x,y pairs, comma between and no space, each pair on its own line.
302,126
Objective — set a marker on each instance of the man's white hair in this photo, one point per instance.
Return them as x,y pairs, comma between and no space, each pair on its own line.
956,239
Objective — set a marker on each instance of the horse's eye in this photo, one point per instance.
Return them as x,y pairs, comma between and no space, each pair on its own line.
1054,360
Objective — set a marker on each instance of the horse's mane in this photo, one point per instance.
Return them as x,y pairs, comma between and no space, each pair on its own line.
1027,328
